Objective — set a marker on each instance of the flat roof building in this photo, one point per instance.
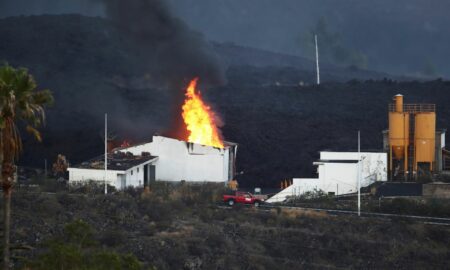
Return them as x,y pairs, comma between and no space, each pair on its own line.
338,174
162,159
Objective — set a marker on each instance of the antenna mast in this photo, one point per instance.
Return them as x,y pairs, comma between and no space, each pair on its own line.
106,152
317,60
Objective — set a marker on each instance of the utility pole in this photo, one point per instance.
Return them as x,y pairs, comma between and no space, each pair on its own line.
359,173
106,152
317,60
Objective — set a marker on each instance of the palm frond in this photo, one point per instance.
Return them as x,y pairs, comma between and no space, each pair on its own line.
34,132
19,100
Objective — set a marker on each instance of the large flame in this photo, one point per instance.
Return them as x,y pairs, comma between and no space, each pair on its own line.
200,119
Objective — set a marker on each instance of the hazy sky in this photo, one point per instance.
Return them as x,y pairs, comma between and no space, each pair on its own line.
401,36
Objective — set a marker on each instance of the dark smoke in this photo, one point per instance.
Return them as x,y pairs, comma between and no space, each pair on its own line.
174,53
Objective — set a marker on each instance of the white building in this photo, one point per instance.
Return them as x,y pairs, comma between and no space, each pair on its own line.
162,159
123,170
338,174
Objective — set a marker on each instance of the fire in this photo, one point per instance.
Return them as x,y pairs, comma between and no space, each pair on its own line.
125,144
200,119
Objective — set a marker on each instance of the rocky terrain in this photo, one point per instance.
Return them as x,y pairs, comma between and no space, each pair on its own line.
183,228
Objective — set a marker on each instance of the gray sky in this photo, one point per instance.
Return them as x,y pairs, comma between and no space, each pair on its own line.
402,36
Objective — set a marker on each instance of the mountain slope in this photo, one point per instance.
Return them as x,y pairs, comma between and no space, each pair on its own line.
279,125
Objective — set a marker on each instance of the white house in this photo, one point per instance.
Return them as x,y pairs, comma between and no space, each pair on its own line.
179,160
162,159
123,170
338,174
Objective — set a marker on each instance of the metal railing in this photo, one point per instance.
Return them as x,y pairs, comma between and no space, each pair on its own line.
414,108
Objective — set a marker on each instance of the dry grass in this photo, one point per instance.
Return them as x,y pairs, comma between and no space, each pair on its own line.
185,231
297,213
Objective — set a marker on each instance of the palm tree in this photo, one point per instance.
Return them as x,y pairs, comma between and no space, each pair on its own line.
19,100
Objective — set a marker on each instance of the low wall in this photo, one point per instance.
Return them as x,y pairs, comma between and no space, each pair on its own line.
437,190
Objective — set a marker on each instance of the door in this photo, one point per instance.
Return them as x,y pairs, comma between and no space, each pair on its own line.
152,171
123,181
146,175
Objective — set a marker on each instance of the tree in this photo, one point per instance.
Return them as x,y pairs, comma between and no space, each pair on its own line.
19,101
60,166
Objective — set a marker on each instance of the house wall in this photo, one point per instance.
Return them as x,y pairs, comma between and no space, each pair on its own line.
373,165
338,177
85,175
114,178
179,160
137,178
302,185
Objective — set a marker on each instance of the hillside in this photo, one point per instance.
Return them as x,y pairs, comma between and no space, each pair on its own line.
183,228
279,125
402,37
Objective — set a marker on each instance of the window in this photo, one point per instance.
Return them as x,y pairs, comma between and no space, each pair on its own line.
138,169
131,172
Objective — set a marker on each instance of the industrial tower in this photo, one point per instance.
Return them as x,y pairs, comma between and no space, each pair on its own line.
412,140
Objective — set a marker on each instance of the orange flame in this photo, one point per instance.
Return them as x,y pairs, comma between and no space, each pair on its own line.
125,144
200,119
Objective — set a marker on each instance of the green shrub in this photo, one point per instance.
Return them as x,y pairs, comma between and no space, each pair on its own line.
76,249
49,205
112,237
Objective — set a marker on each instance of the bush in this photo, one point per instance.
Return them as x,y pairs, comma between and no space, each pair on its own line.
112,238
49,205
423,207
75,250
91,187
317,195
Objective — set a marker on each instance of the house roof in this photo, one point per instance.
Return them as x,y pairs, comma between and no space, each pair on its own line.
337,161
117,161
226,143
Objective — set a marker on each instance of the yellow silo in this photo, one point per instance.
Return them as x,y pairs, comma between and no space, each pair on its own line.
424,139
398,132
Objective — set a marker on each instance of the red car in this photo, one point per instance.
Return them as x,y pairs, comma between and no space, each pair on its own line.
242,197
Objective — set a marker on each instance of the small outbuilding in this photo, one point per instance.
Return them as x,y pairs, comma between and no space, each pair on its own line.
124,169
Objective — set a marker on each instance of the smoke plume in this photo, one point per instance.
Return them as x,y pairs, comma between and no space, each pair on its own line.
174,53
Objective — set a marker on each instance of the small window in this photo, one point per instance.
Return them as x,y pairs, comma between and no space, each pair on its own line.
131,172
137,169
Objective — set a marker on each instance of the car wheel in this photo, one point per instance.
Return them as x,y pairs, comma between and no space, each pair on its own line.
231,202
256,204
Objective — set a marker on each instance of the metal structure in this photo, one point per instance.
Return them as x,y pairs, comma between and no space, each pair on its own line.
412,139
317,60
106,154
